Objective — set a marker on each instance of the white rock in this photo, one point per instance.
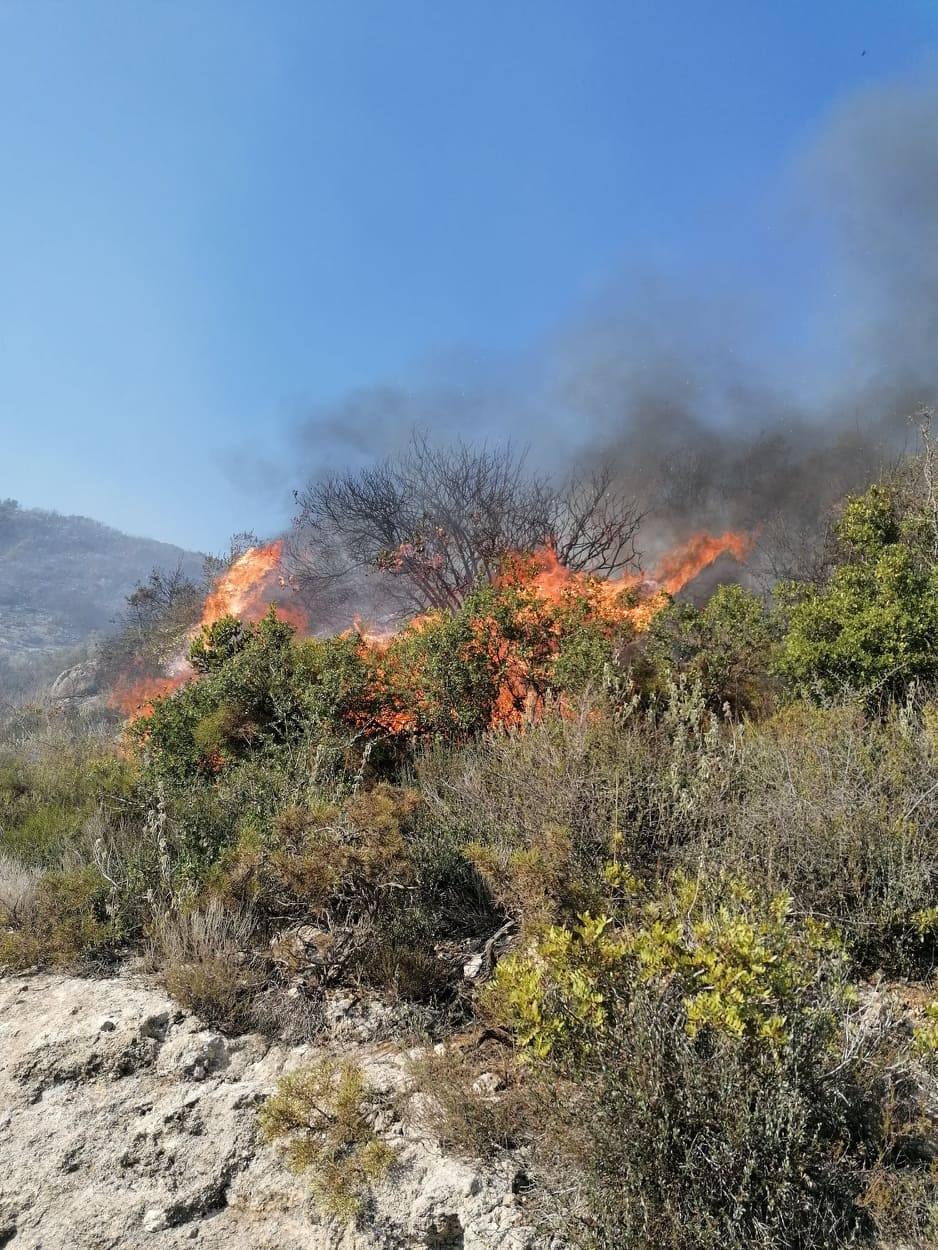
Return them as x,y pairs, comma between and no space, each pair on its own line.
487,1084
145,1134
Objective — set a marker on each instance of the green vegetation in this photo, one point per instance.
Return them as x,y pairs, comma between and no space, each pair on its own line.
325,1116
872,627
698,843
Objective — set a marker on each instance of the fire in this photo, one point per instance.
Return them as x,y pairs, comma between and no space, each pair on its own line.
679,567
246,590
631,600
550,579
549,599
377,639
136,698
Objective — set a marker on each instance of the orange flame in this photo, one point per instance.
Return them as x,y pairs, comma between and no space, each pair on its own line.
633,598
377,639
136,698
246,590
548,591
679,567
549,578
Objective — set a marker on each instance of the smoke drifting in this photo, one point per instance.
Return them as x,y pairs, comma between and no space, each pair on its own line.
875,171
743,412
686,413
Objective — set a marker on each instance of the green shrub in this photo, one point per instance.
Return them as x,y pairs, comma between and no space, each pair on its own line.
325,1116
739,967
836,807
707,1141
246,700
873,627
698,1066
53,782
67,922
354,870
925,1033
727,646
539,813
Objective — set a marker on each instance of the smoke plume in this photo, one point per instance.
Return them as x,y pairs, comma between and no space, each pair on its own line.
721,411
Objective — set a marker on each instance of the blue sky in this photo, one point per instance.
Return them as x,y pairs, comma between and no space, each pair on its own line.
219,218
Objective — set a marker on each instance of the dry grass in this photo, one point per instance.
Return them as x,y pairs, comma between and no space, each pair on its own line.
19,889
206,959
475,1103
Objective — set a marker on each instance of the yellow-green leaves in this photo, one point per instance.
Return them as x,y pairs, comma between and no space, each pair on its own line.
925,1034
739,965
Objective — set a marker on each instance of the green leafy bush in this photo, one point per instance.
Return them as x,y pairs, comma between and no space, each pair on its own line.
67,922
727,646
715,1089
739,968
873,628
925,1033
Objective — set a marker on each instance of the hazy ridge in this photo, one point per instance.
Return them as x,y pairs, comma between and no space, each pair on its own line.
63,579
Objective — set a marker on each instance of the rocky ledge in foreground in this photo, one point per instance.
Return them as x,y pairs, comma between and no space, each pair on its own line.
126,1123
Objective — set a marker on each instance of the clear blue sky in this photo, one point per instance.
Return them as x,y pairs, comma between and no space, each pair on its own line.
217,216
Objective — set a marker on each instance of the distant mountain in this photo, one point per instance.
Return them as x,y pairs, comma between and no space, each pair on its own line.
65,578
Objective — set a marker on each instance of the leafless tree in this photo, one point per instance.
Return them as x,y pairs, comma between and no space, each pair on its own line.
795,550
436,521
153,624
160,613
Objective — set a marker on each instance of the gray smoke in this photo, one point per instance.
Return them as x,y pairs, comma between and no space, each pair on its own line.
721,412
720,441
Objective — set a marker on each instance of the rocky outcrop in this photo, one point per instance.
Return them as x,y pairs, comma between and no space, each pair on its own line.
126,1123
80,681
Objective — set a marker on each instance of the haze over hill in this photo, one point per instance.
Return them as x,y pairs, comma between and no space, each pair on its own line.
64,579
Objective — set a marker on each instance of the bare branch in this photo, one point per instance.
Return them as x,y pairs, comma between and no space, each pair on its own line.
436,521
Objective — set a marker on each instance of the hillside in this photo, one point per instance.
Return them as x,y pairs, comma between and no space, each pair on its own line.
64,578
572,917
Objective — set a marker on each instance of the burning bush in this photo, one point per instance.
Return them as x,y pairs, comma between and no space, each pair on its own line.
540,631
600,801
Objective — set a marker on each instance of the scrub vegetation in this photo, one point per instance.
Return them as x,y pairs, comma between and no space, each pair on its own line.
695,857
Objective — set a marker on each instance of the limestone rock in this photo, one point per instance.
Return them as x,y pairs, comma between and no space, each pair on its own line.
126,1123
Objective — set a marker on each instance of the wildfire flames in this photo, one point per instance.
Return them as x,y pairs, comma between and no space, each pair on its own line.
633,599
677,568
135,697
249,588
246,590
548,593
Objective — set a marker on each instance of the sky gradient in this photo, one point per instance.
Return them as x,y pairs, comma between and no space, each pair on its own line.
218,218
